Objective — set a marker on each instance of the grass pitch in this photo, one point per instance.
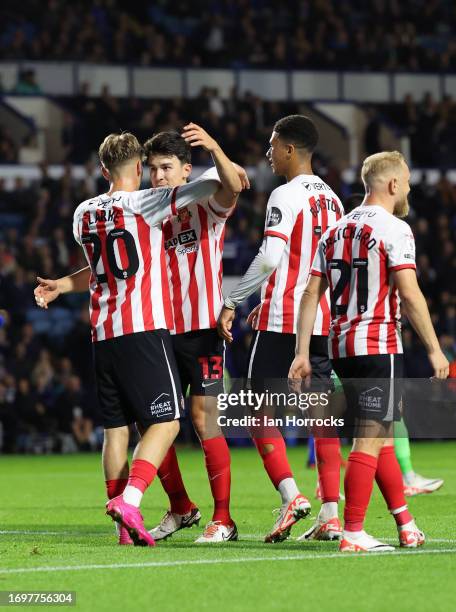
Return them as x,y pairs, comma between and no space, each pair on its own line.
54,536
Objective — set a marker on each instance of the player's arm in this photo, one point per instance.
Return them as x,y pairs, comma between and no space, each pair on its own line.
316,286
49,290
417,312
261,268
231,184
155,205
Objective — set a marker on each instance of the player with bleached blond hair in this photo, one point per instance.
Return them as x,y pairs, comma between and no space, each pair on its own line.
368,262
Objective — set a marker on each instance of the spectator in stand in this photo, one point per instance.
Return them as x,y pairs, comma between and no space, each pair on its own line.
26,84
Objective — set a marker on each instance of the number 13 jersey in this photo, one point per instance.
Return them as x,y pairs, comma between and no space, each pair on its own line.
357,256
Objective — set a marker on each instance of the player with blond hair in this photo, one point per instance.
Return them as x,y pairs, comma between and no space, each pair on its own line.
368,262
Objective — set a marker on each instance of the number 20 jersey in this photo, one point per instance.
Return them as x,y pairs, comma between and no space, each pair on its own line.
123,242
357,256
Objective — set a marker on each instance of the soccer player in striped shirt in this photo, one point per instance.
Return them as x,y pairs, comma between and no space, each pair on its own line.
414,484
368,261
194,247
131,312
298,212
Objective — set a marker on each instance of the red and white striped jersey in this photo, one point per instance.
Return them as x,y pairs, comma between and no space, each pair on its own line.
194,247
299,212
357,256
123,242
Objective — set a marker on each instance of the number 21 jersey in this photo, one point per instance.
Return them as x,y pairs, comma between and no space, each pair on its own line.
357,256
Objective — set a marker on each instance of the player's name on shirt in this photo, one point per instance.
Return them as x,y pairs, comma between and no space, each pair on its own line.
362,235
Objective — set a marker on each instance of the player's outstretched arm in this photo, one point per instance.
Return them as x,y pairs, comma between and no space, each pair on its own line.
316,286
155,205
231,186
49,290
417,312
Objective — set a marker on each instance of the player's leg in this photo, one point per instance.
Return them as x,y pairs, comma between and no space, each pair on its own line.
369,437
389,480
182,512
270,355
115,418
205,361
150,390
388,475
414,484
115,468
327,447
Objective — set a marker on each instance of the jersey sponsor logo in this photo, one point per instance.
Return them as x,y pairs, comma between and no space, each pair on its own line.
360,214
183,250
104,203
274,216
317,230
371,400
317,186
182,239
161,405
324,204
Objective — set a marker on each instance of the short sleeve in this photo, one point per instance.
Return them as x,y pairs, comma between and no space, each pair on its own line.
280,215
218,213
318,267
400,247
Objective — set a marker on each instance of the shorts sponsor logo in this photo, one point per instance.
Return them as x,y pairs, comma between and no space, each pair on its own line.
161,406
274,216
371,400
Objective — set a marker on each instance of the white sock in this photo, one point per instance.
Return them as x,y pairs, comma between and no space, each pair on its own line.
354,535
409,477
132,495
288,490
328,510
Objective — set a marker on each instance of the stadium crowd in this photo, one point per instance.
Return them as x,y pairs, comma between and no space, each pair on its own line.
412,35
47,399
241,122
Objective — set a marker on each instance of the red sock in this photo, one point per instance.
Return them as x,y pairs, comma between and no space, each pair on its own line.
218,461
171,479
115,487
359,481
142,474
327,451
275,461
389,480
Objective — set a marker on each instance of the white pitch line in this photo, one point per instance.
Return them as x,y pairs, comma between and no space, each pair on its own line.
337,555
242,536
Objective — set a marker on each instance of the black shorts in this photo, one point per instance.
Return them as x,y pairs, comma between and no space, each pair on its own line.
271,355
200,357
137,379
371,386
